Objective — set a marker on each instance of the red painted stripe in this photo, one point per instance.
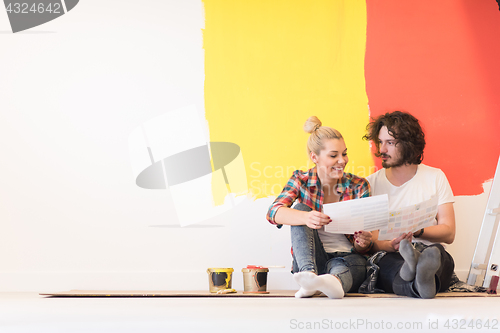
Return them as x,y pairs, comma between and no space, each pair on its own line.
440,61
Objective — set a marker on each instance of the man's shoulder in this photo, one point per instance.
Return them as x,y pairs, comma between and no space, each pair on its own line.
376,175
428,170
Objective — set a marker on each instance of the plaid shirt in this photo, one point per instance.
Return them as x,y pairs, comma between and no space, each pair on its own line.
306,187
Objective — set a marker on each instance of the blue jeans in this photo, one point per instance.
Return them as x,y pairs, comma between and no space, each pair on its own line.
310,255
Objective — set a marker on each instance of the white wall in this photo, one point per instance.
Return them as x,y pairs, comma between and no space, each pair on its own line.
72,91
71,216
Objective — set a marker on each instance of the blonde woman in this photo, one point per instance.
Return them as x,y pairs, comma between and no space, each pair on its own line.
322,262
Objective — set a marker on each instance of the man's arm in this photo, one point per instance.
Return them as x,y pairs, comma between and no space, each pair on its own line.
444,231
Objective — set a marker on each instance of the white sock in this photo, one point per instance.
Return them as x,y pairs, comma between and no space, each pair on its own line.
304,293
327,284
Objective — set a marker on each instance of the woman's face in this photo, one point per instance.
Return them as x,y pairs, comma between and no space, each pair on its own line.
331,160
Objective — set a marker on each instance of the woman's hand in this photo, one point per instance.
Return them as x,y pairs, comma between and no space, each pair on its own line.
315,220
363,238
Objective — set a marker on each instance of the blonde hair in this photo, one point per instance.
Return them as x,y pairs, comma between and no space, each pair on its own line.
318,134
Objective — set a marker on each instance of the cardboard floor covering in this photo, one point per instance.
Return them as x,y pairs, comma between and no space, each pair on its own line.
202,293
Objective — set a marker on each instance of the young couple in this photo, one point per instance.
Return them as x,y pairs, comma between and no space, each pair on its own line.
415,264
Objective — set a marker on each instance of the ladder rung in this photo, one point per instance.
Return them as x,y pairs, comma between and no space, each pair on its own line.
479,266
495,211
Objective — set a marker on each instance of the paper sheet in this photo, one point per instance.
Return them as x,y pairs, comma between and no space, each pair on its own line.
411,218
360,214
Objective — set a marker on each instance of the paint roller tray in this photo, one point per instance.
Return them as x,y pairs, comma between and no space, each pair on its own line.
200,293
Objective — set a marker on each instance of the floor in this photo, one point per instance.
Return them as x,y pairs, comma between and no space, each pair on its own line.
29,312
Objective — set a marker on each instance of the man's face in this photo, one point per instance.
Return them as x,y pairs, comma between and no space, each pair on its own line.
389,149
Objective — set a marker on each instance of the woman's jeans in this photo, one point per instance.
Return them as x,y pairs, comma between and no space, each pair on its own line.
390,281
310,255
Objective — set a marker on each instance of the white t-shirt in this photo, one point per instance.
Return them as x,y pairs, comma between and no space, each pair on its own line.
427,182
334,242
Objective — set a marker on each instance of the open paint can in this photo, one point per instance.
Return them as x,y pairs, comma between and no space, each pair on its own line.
255,279
219,278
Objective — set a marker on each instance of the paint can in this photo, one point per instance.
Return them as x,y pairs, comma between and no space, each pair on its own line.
255,279
219,279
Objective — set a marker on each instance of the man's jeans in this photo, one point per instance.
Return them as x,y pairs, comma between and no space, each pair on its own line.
310,255
390,281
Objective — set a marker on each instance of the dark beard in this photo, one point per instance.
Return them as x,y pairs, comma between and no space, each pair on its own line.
396,164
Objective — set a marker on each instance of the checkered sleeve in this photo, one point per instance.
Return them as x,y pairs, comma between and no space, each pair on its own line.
363,189
285,199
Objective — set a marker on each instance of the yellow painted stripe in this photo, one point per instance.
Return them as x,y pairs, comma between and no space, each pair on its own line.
271,64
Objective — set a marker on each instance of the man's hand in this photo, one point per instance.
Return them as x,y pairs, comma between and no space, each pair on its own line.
395,242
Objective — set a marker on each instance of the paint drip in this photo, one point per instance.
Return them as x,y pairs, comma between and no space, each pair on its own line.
219,279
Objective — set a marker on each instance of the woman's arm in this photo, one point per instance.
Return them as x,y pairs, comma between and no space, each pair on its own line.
363,241
286,198
280,212
312,219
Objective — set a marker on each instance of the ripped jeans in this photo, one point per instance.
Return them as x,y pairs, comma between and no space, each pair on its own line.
310,255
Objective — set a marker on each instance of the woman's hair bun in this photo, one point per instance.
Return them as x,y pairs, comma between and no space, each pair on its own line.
312,124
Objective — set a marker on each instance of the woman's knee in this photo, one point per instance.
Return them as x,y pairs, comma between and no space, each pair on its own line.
302,207
351,272
355,260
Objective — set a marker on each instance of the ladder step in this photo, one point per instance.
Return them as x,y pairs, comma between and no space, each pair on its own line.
479,266
495,211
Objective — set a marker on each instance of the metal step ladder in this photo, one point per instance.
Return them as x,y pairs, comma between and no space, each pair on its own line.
486,261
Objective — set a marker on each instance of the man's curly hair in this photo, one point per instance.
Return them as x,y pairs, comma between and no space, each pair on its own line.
405,128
